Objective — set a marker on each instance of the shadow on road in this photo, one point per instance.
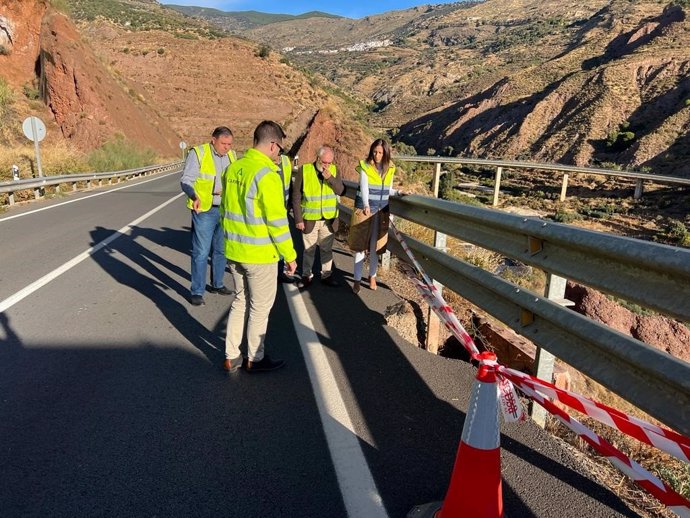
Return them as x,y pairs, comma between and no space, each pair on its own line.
409,402
156,283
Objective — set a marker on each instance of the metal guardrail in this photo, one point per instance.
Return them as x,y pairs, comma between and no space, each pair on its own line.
37,184
514,164
648,378
558,168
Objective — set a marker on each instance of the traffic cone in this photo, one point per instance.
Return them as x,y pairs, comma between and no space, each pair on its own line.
475,484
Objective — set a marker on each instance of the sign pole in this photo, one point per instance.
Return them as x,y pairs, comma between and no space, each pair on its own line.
34,130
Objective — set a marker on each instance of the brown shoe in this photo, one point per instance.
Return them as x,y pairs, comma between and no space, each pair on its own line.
355,287
372,283
234,365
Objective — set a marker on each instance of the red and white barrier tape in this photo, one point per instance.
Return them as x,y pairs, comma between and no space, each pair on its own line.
539,390
632,469
666,440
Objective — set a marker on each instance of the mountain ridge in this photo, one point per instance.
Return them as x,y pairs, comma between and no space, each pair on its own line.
234,21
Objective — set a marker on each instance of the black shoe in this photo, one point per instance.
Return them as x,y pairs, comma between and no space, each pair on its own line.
221,291
330,281
304,282
285,278
264,365
197,300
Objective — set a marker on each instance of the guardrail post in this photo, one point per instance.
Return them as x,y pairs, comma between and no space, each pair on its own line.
544,360
74,186
564,187
37,193
433,329
639,188
386,260
497,187
10,198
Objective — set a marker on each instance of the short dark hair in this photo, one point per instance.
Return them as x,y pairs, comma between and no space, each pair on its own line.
221,131
268,131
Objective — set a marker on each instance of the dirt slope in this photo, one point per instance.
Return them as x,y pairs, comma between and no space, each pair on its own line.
196,84
86,101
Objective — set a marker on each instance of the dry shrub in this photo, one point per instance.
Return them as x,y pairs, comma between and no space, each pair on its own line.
671,470
56,159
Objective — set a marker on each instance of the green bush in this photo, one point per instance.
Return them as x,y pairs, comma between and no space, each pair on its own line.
6,95
445,187
677,232
404,149
604,211
264,51
118,154
621,138
565,216
31,91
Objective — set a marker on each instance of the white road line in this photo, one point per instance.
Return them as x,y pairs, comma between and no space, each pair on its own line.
84,198
356,482
31,288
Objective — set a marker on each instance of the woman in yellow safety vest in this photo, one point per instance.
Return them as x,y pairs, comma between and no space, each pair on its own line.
370,219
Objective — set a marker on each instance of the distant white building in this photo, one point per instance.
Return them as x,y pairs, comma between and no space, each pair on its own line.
357,47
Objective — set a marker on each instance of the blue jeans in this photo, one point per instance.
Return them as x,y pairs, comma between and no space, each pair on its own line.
207,236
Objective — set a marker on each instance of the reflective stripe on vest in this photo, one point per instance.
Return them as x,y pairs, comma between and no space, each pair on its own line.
318,198
379,188
203,185
286,170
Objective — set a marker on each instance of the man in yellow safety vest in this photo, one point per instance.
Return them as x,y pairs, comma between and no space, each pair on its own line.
256,237
315,194
202,183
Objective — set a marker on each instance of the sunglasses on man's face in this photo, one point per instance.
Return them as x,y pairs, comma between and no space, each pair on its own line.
280,148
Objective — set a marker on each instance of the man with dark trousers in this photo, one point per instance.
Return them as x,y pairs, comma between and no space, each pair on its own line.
202,183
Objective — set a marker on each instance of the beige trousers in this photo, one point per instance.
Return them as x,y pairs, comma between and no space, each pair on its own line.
255,287
323,237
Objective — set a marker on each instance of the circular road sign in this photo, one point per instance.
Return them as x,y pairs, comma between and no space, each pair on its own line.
183,144
34,129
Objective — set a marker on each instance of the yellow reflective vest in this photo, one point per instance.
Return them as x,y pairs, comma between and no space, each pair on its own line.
254,216
318,198
379,187
286,172
203,186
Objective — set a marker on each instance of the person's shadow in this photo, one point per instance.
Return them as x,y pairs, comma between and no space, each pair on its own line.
155,283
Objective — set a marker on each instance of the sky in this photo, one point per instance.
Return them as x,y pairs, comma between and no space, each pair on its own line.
351,8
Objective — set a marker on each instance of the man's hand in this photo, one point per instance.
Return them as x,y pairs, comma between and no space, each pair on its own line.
367,211
196,205
291,267
300,225
326,173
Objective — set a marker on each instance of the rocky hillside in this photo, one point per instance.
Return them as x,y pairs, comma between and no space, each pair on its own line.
568,81
137,69
46,59
620,92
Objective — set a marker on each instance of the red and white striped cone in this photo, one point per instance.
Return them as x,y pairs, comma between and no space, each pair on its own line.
475,485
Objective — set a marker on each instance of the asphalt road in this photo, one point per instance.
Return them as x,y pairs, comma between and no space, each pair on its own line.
113,401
